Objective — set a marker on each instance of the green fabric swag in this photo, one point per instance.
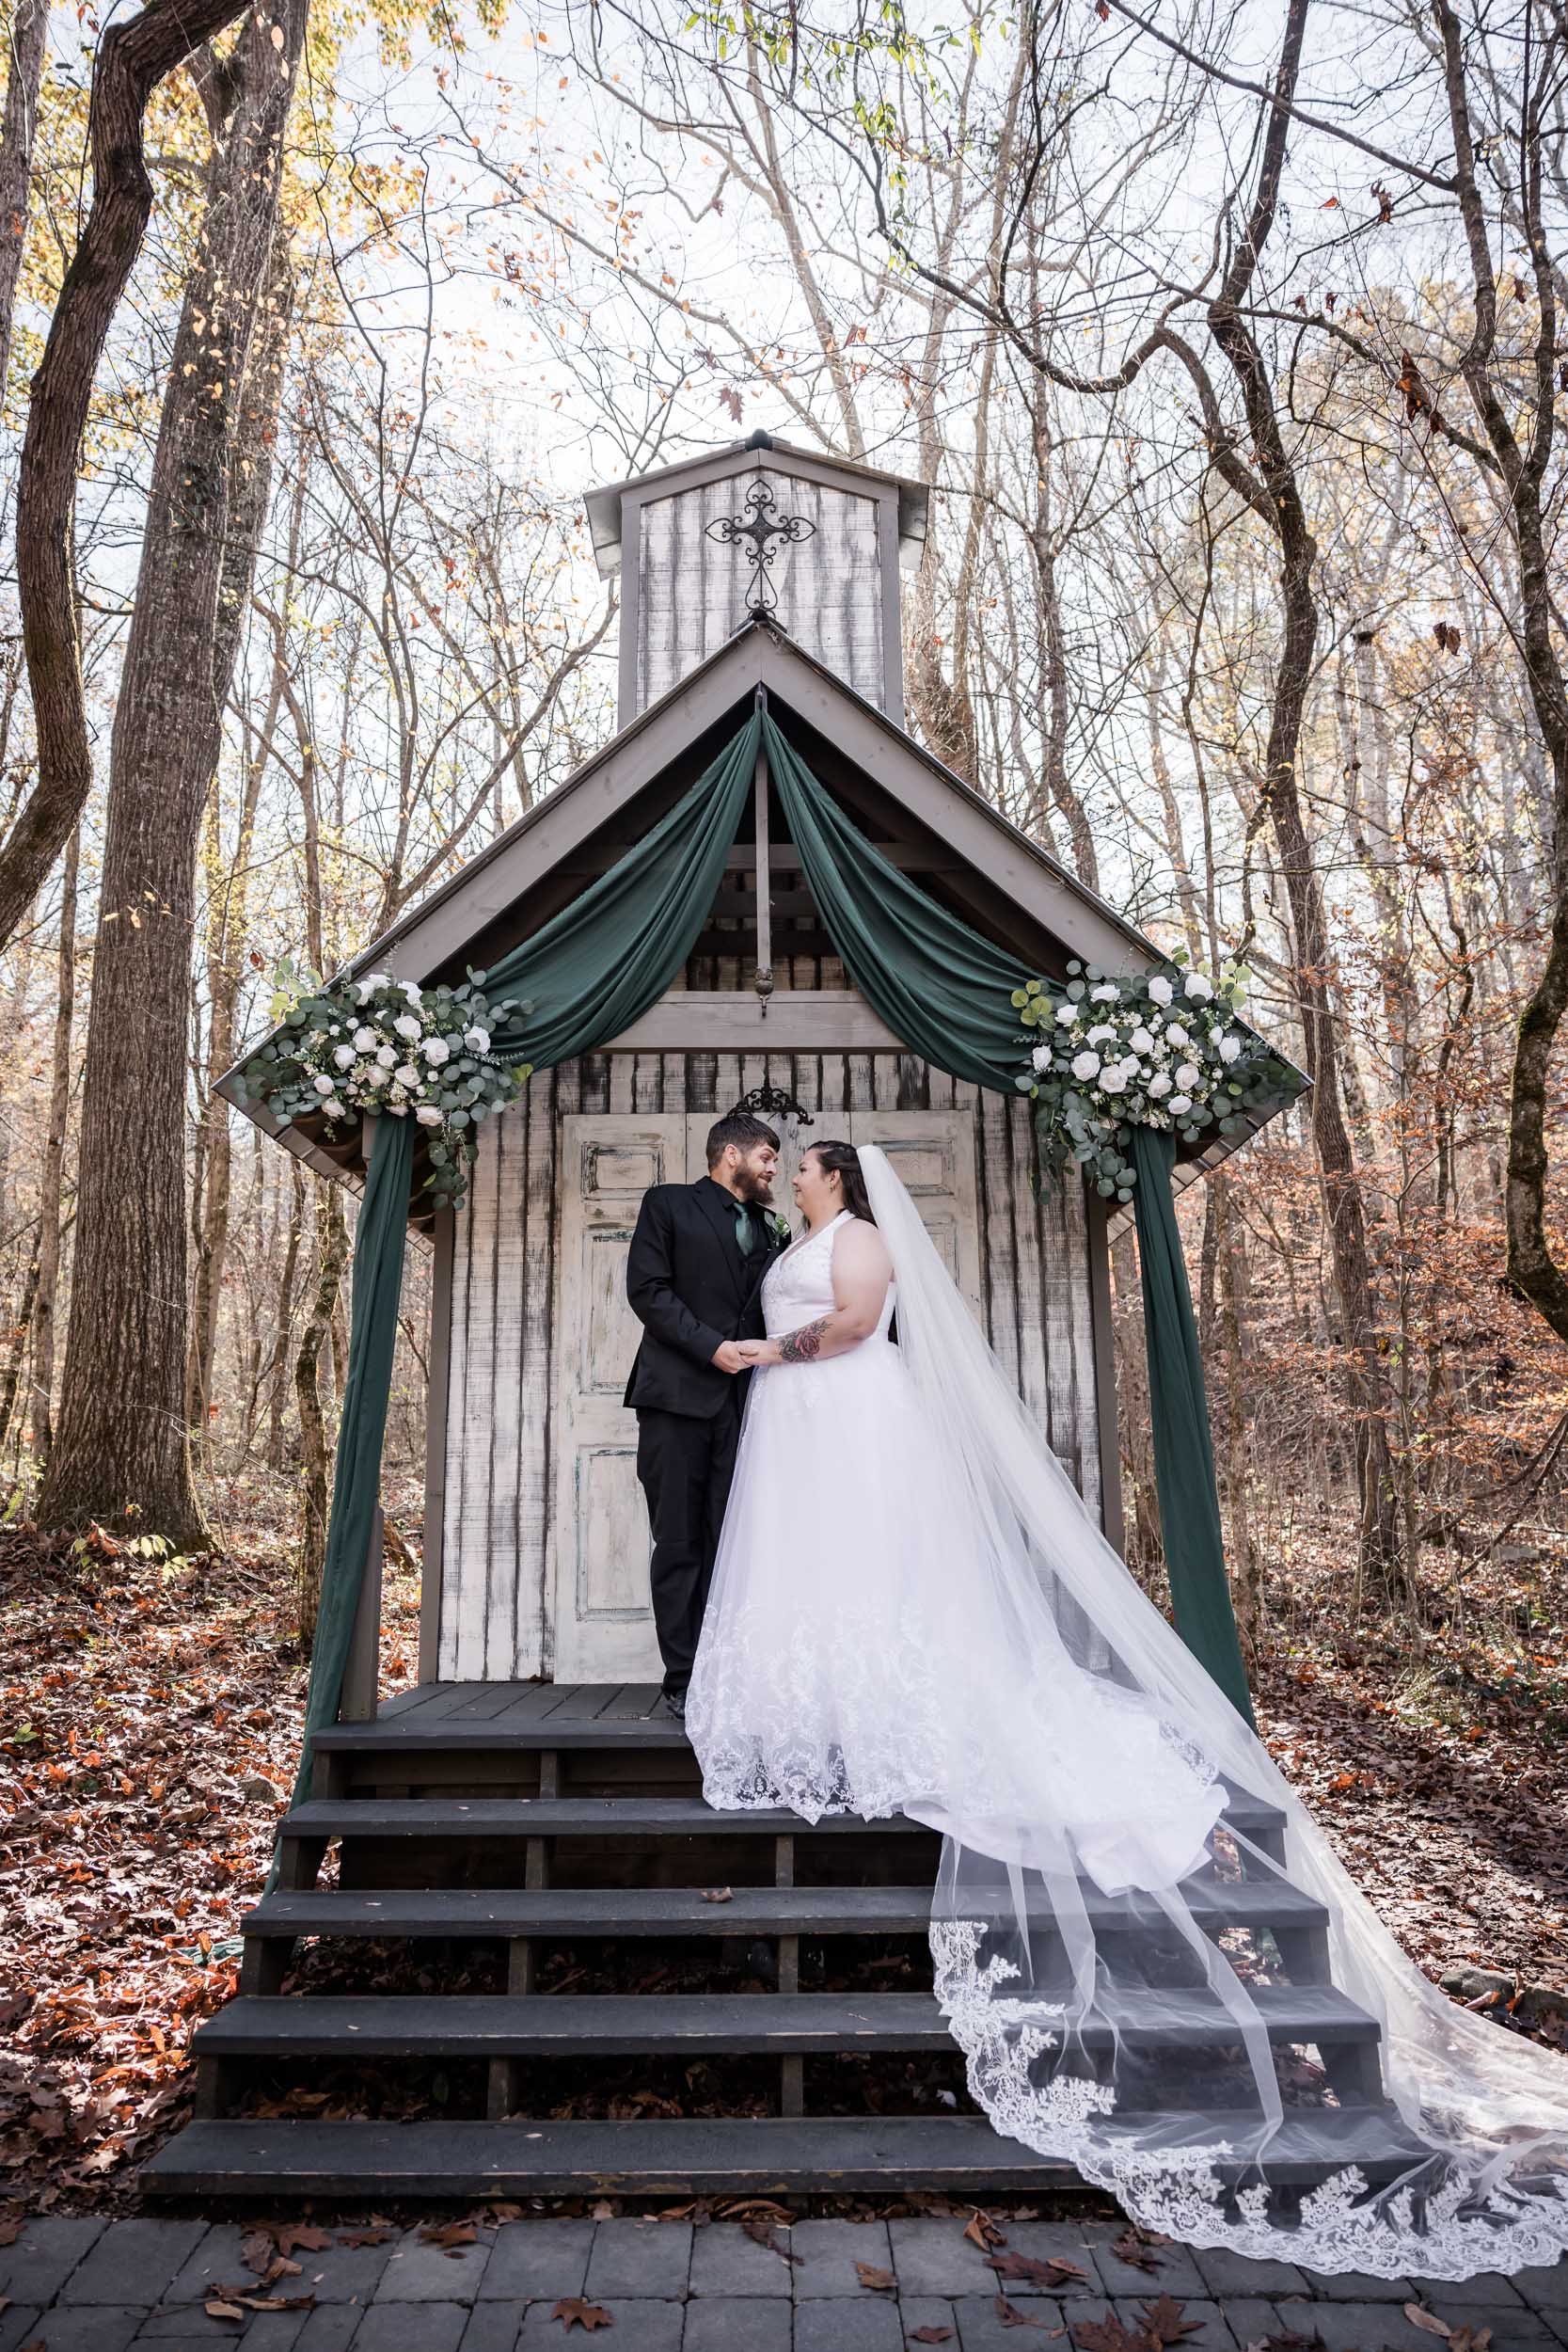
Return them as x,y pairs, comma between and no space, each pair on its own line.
937,984
378,1245
1183,1451
599,965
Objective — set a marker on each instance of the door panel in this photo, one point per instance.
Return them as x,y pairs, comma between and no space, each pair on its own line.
932,1153
604,1628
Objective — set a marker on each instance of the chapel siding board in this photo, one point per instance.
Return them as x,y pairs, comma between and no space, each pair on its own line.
498,1502
830,587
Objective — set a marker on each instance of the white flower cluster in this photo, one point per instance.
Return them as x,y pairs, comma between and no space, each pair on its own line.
393,1058
1175,1048
1163,1050
382,1047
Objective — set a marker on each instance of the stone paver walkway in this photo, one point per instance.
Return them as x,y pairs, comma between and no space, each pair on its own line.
81,2285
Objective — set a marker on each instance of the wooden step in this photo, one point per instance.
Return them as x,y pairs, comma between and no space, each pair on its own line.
767,2024
299,2157
565,1816
571,1912
603,1817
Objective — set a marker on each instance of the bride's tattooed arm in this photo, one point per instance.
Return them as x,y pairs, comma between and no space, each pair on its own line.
799,1347
862,1270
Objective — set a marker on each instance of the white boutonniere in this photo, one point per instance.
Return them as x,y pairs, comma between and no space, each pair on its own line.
779,1227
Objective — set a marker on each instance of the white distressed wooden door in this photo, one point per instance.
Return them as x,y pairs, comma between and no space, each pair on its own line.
604,1627
933,1154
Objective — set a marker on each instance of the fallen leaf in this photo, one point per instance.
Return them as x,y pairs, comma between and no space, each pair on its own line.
717,1895
575,2312
448,2235
881,2282
1164,2321
1109,2335
1427,2321
1011,2317
1038,2274
288,2235
215,2308
1470,2340
982,2232
932,2335
767,2234
1132,2247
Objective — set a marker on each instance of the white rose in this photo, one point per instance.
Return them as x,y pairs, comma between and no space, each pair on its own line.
1114,1081
1066,1015
1102,1029
1186,1074
333,1109
412,991
1158,1084
478,1040
372,981
407,1076
1161,989
428,1115
1106,994
1230,1048
365,1040
407,1026
386,1056
325,1085
344,1056
1180,1103
1141,1040
1177,1034
1086,1066
1197,987
436,1049
1042,1058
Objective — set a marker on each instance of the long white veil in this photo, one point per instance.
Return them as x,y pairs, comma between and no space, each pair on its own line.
1194,2005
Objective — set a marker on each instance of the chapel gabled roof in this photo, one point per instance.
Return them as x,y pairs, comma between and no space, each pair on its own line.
440,932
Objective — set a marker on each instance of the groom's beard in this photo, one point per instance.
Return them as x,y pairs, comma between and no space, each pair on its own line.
750,1187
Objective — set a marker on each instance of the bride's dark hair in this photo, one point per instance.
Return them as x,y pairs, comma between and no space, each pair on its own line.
842,1159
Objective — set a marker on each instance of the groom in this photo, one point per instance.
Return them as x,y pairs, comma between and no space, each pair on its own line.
693,1278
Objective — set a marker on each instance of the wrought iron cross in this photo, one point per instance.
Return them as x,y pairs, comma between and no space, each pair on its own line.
760,530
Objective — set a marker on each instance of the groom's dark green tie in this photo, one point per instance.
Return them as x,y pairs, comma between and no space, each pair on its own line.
745,1231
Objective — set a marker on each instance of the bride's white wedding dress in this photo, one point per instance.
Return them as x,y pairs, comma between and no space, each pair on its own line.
911,1611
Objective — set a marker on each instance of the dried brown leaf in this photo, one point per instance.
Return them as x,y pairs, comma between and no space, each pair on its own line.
1428,2322
880,2282
573,2312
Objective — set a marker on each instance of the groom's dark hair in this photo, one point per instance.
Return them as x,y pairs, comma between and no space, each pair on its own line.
743,1130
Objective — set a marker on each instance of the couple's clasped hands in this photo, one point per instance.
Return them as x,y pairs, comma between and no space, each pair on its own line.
745,1355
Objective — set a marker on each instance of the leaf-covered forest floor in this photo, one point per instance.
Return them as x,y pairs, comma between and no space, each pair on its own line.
140,1702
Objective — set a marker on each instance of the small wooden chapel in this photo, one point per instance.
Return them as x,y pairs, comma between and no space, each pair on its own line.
529,1799
534,1534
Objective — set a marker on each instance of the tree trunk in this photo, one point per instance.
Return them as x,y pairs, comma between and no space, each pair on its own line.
29,46
315,1444
276,1455
122,1441
52,1176
229,892
132,58
1278,498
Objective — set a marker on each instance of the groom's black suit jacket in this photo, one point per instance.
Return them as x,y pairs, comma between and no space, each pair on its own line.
692,1289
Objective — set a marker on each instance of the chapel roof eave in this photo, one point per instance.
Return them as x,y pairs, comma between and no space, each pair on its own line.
434,932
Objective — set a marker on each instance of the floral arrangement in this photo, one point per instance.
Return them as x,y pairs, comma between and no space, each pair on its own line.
380,1047
1108,1053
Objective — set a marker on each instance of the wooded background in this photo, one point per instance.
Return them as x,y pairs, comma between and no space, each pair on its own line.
1231,342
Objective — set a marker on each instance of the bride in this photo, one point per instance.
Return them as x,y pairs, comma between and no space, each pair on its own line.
911,1611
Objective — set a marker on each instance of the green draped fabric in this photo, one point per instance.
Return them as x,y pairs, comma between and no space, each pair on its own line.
599,965
378,1245
938,985
1183,1451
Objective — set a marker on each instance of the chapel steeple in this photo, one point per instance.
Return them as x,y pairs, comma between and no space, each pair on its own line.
818,542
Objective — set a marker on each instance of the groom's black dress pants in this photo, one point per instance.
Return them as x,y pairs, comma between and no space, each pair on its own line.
685,1464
